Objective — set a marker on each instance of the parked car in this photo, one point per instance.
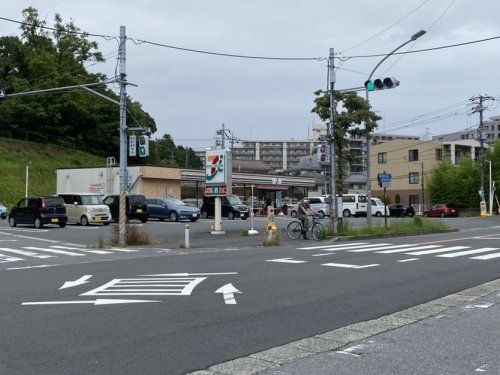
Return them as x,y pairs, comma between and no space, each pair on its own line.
378,208
441,210
401,210
86,209
39,211
3,211
232,207
318,204
172,209
353,205
136,207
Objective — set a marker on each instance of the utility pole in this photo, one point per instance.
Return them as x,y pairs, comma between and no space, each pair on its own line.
331,139
423,189
122,234
223,134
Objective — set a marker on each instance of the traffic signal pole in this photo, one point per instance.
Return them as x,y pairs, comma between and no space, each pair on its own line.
331,139
122,235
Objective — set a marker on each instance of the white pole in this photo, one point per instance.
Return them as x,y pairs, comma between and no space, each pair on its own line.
186,236
27,172
491,193
252,231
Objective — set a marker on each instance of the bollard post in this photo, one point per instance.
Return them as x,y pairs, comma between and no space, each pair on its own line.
186,236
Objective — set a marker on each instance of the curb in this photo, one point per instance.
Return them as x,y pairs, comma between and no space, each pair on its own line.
342,337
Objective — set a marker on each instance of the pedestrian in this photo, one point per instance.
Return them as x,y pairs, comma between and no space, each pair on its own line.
303,213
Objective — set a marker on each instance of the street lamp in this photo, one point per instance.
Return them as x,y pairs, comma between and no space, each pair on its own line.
27,178
368,140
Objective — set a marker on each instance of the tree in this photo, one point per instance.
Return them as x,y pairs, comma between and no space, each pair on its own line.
354,111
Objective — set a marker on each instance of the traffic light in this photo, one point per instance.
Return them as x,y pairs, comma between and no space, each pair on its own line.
322,156
143,146
382,84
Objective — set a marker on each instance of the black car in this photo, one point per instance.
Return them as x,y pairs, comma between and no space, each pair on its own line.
39,211
232,207
136,207
401,210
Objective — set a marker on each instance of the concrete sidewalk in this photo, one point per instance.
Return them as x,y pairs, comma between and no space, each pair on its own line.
455,334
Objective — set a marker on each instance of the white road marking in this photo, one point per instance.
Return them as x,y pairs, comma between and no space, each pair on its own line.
31,237
54,251
25,253
484,306
468,252
135,287
350,247
228,291
80,228
6,258
286,260
379,248
409,249
487,256
330,246
443,250
322,255
28,267
407,260
82,280
28,230
84,250
99,301
8,240
354,266
73,244
123,250
193,274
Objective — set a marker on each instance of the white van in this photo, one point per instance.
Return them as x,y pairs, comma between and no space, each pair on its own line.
86,209
353,205
378,208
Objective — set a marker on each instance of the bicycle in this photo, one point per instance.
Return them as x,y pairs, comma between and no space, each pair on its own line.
296,228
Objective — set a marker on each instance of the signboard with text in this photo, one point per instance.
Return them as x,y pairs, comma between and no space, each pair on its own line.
218,171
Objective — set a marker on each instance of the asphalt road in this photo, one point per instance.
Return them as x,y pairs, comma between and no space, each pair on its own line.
287,293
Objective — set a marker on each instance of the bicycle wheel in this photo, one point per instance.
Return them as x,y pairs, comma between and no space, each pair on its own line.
318,231
294,230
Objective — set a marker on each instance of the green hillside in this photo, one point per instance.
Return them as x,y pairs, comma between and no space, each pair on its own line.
45,159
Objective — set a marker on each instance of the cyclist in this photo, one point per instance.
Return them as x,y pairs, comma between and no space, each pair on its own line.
303,213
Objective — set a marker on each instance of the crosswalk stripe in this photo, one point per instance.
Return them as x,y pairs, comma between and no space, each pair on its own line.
408,249
354,266
25,252
487,256
7,258
349,247
54,251
286,260
443,250
84,250
468,252
379,248
330,246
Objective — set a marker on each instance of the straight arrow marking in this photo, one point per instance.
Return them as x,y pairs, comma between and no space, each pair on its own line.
228,291
101,301
82,280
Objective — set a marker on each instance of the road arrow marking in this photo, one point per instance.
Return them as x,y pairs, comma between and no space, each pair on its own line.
82,280
102,301
191,274
228,291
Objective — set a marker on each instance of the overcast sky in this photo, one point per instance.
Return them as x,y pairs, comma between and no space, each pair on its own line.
190,95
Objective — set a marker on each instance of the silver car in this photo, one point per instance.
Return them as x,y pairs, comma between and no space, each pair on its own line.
3,211
318,204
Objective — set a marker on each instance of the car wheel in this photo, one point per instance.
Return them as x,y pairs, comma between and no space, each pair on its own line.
443,214
12,222
84,221
38,223
161,219
378,214
204,215
293,214
346,213
62,225
230,215
173,216
321,214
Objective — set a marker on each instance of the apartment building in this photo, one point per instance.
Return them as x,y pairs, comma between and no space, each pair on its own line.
491,132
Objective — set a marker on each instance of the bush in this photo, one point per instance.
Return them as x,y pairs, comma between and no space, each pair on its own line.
134,236
244,232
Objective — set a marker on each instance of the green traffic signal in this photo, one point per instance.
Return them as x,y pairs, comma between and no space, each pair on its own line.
369,85
381,84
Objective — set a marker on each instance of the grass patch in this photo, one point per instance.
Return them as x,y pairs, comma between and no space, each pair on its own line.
135,236
244,232
417,225
273,241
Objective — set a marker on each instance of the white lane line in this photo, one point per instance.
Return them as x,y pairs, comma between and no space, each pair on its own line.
409,249
31,237
486,257
468,252
73,244
84,228
28,267
322,255
407,260
330,246
84,250
426,252
123,250
350,247
8,240
286,260
380,248
6,258
27,230
354,266
25,253
54,251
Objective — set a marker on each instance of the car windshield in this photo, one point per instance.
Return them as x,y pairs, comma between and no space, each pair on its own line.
233,199
378,202
175,202
91,200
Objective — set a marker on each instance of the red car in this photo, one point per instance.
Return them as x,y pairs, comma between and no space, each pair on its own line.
441,210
